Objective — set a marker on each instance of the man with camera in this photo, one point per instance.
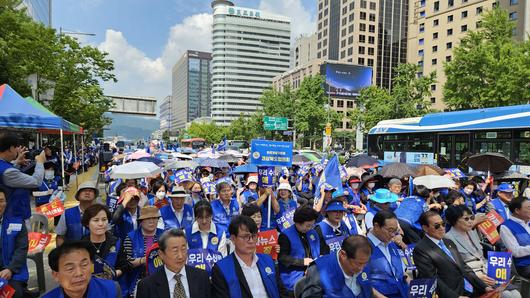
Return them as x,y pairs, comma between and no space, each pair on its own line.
17,184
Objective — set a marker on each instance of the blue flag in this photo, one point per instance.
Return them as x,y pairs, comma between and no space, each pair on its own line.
222,145
331,176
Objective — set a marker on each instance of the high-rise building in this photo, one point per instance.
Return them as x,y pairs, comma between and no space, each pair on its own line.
519,11
304,50
250,47
39,10
165,113
371,33
191,88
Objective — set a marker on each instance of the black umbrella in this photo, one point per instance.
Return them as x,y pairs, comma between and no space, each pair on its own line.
299,159
362,161
229,158
489,162
397,170
509,176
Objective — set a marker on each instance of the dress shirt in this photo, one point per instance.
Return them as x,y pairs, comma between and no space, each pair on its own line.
170,275
381,245
253,277
369,220
351,281
178,214
511,242
134,218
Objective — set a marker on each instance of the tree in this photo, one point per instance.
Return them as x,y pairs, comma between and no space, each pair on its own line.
489,68
278,103
209,131
246,127
406,99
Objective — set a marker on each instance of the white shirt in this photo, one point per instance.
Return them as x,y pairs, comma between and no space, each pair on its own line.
178,214
351,281
134,218
369,220
170,275
255,284
510,241
221,247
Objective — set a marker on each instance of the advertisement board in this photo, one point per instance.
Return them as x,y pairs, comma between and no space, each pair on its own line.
345,80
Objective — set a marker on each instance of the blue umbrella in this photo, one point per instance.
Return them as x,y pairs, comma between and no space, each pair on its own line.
154,160
246,168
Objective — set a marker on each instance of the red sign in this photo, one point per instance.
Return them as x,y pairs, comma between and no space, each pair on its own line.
52,209
489,227
267,242
37,242
7,291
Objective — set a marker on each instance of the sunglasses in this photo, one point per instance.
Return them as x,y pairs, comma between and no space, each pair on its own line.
468,218
439,225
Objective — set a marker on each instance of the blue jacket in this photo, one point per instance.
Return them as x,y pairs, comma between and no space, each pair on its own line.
220,217
333,282
8,245
126,225
499,207
170,219
97,288
266,269
249,196
45,186
410,210
195,239
74,228
290,275
17,199
382,274
523,238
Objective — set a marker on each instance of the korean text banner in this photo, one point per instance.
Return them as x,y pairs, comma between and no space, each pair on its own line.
272,153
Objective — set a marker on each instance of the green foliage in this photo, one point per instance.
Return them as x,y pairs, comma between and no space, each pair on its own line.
209,131
58,62
278,103
246,127
406,99
489,68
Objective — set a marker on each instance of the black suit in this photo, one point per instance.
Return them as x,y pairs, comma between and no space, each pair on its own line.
156,284
220,286
432,262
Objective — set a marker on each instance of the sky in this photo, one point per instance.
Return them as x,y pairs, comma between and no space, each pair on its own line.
146,37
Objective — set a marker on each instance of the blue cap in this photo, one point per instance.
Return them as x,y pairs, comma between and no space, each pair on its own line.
335,206
384,195
338,193
505,187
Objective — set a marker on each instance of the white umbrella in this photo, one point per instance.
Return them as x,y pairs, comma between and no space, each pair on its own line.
181,156
135,170
207,153
434,181
181,164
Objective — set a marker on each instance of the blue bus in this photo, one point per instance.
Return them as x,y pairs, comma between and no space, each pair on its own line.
447,138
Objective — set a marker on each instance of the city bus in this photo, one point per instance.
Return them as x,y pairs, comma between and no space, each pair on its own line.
194,143
447,138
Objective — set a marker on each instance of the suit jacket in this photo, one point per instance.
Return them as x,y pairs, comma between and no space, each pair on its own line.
156,284
220,286
432,262
471,252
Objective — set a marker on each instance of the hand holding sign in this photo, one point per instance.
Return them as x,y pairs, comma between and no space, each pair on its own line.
267,241
489,227
37,242
52,209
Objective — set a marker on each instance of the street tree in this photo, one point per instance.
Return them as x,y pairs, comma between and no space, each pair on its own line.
279,103
211,132
489,68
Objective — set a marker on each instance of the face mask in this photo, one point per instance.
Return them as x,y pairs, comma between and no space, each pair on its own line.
371,185
48,175
161,195
468,191
355,185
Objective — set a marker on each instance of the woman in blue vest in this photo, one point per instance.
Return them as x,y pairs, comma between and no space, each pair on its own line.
381,200
354,196
126,216
333,226
249,193
177,214
368,186
136,245
409,212
50,184
110,260
285,198
473,198
196,194
204,234
157,196
299,246
267,194
225,207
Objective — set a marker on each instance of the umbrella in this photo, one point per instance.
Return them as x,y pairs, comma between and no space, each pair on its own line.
135,170
300,159
362,161
423,170
247,168
397,170
509,176
229,158
213,163
154,160
434,181
139,154
181,156
489,162
181,164
207,153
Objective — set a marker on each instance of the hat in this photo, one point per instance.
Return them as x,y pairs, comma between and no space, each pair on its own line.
149,212
354,179
252,179
87,185
328,187
178,192
338,193
335,205
505,187
285,186
384,195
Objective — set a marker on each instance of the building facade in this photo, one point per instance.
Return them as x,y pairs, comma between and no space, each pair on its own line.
39,10
371,33
250,47
304,50
190,88
519,11
165,114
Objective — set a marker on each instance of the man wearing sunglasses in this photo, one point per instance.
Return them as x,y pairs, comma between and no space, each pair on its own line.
245,273
439,258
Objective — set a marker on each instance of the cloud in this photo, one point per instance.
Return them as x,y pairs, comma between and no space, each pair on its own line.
302,22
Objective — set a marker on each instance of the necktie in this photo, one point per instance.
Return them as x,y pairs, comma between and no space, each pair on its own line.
467,285
178,291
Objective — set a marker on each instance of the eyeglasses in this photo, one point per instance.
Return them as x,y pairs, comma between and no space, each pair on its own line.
248,238
439,225
468,218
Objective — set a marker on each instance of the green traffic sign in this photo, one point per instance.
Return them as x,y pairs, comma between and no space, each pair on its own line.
275,123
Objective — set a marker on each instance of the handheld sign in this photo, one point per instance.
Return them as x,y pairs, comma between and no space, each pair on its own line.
267,241
422,288
335,243
52,209
183,175
37,242
271,153
153,261
265,176
286,220
499,264
102,269
489,227
203,258
112,203
6,291
406,257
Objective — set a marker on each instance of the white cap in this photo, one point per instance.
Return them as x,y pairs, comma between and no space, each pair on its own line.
285,186
252,179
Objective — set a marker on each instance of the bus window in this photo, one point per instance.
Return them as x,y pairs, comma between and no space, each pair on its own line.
522,152
492,146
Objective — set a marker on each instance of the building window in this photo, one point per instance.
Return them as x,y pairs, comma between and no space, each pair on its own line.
479,10
464,14
422,3
362,15
350,51
420,63
449,19
319,45
350,28
448,58
319,55
478,24
373,6
324,52
349,104
420,53
449,32
371,51
422,27
372,17
463,28
342,54
435,35
362,27
436,6
360,61
449,45
350,18
350,40
421,41
433,99
331,103
435,23
433,87
450,3
514,2
371,28
340,103
344,21
364,3
422,14
352,5
371,40
434,49
513,16
434,61
343,33
343,43
362,38
361,50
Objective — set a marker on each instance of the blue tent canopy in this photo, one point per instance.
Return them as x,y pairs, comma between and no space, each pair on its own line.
17,112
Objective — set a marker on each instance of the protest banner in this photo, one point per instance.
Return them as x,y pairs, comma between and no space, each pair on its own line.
6,291
266,177
499,264
112,203
37,242
152,260
271,153
183,175
267,241
203,258
422,288
335,243
489,227
52,209
286,220
406,257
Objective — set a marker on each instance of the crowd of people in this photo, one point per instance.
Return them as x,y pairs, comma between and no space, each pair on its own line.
333,241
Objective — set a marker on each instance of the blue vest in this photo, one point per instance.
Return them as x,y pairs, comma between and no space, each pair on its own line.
410,210
266,269
353,198
8,246
112,256
249,196
290,275
195,239
45,186
97,288
353,223
327,230
499,207
171,221
126,225
17,199
74,228
286,206
382,276
333,282
220,217
523,238
469,201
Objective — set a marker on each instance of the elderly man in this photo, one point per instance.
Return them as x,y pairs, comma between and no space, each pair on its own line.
177,214
176,279
515,234
504,197
69,226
